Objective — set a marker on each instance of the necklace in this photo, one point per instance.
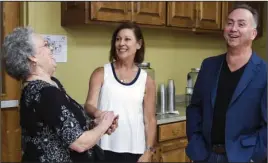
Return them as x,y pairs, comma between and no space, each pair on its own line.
119,77
123,81
119,74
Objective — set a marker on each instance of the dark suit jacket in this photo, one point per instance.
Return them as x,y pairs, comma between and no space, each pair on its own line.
246,117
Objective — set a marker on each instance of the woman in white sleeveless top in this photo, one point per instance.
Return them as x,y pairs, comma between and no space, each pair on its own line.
122,87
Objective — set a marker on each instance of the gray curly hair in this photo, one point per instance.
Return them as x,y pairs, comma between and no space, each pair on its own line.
17,47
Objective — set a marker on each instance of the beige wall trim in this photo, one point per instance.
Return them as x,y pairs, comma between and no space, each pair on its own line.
24,18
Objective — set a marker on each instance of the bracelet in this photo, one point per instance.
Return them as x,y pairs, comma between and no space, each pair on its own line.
151,149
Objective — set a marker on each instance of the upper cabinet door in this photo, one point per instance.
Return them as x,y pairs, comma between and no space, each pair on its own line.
110,11
151,13
73,13
208,15
181,14
226,8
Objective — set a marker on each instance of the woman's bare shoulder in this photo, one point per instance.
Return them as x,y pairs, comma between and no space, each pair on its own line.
98,72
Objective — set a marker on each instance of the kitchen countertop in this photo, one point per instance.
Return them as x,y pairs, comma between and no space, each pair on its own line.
172,117
169,118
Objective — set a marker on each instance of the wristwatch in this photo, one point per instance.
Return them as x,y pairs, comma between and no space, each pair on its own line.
151,149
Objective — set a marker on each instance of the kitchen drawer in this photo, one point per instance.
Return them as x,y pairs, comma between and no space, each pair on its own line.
173,144
171,131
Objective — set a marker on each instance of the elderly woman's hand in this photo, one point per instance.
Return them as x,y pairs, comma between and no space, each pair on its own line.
107,119
99,117
113,126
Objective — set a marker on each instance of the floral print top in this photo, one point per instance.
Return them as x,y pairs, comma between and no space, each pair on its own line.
51,121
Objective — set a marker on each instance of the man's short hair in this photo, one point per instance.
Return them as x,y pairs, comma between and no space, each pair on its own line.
253,11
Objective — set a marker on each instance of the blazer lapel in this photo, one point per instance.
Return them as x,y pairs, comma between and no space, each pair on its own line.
215,80
246,78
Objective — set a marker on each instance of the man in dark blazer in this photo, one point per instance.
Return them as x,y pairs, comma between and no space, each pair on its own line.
227,117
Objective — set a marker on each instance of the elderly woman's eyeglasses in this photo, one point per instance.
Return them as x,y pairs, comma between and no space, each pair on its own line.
49,45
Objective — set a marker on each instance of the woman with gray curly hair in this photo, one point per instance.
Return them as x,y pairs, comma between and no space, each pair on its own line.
55,128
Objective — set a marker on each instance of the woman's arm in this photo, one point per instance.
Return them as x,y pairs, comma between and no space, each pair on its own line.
149,112
95,84
89,138
54,110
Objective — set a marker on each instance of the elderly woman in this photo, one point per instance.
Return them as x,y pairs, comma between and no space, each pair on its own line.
55,128
121,86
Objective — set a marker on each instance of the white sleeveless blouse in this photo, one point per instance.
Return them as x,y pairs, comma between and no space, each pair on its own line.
126,100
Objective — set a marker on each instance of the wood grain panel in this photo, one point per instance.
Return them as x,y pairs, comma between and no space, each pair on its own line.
11,19
10,128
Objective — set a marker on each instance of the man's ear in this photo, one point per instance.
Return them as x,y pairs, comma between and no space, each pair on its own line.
254,34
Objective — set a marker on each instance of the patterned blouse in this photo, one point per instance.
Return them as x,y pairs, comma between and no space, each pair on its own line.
51,121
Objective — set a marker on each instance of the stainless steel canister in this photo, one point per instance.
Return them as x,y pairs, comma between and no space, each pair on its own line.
171,95
147,67
162,99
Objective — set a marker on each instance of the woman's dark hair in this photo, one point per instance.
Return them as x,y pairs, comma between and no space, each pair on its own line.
139,56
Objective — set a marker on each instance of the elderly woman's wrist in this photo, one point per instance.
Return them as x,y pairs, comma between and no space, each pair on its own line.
97,113
103,127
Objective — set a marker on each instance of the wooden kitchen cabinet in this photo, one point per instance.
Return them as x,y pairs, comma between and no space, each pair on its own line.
201,15
150,13
73,13
196,16
174,151
110,11
209,15
77,13
80,13
181,14
171,143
